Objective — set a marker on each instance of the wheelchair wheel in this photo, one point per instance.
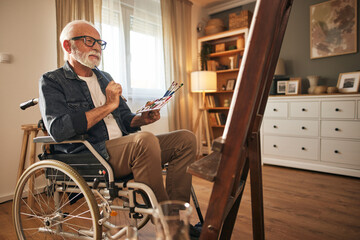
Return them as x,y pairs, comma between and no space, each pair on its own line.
52,201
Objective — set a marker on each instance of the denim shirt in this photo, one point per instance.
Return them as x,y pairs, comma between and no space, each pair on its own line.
63,100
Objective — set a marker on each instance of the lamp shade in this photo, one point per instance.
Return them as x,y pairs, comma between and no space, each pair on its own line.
203,81
280,68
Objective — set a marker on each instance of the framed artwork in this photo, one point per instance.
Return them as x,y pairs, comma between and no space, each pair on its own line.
293,86
230,84
333,28
348,82
281,87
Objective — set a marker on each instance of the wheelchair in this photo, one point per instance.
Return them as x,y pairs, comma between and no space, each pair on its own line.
75,196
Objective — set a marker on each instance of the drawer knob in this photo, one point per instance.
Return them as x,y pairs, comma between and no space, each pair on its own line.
303,148
303,109
274,126
336,151
337,129
337,109
275,110
303,128
275,146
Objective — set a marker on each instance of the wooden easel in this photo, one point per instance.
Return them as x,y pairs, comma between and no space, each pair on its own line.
237,152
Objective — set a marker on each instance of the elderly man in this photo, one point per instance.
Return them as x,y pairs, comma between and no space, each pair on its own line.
76,99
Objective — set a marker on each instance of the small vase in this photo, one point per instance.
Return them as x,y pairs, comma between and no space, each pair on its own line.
313,81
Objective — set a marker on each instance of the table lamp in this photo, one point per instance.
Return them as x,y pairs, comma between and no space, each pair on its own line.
202,82
279,74
280,68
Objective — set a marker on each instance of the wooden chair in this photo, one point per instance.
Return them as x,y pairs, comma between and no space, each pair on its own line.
237,152
30,132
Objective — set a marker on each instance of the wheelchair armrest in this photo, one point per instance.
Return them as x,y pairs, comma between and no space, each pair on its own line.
43,139
48,139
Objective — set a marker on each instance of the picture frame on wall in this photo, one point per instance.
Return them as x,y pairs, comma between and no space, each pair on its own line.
293,86
349,82
331,33
230,84
281,87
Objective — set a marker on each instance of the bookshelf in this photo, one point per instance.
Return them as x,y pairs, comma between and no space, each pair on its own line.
224,46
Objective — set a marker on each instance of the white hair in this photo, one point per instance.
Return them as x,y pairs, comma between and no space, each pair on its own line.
65,33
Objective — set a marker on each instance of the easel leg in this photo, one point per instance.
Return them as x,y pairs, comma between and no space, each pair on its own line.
256,188
230,219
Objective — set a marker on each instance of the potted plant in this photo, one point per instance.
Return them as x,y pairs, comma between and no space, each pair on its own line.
204,55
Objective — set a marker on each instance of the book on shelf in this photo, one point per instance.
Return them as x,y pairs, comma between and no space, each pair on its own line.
212,101
217,119
212,119
209,101
216,101
212,65
238,61
222,118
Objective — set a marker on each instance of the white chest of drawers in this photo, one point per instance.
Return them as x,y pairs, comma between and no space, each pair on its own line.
313,132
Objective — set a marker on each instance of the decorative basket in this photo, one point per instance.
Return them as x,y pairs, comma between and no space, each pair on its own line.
220,47
213,26
240,19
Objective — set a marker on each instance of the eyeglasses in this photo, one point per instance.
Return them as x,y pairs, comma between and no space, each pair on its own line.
90,41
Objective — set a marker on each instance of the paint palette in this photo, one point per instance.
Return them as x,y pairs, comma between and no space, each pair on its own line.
159,103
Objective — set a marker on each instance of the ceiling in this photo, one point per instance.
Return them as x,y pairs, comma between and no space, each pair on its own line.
215,6
204,3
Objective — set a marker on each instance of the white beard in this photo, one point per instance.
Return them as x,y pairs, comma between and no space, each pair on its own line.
83,57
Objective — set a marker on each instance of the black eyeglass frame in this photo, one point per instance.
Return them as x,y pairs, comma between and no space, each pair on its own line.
102,43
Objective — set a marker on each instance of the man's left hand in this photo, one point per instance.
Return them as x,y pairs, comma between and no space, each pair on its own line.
145,117
151,116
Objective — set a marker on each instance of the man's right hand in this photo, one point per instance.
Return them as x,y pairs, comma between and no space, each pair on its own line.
113,93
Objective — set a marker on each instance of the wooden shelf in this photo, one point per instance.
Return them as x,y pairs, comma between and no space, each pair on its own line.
224,34
218,108
218,126
229,40
228,70
226,53
221,92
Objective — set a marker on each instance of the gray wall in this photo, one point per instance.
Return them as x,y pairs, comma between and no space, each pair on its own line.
296,47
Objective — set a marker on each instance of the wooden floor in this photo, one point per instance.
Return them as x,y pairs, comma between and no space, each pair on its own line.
297,205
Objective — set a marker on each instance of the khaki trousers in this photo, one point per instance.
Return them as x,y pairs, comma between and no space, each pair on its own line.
143,154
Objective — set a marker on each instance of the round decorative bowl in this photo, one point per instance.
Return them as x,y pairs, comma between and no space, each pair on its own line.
320,89
332,90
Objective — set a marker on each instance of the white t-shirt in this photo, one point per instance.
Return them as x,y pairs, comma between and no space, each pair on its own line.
99,99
